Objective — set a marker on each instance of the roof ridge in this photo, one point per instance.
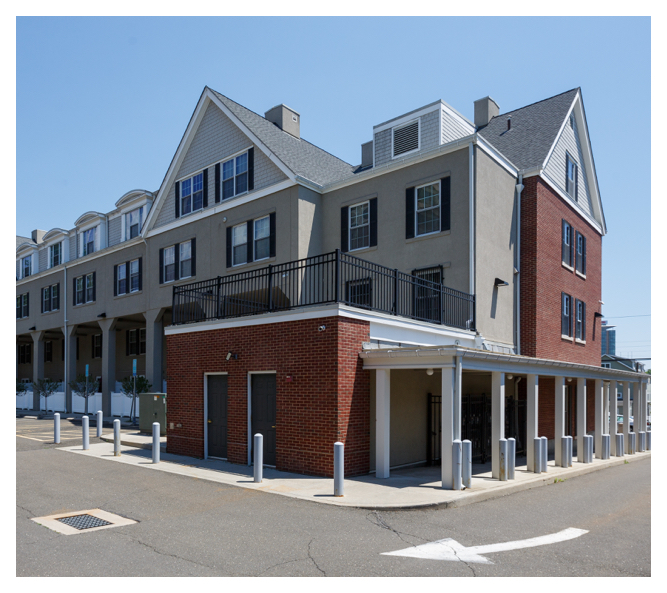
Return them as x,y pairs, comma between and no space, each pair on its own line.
535,103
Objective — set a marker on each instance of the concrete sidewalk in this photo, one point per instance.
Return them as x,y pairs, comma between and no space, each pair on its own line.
131,437
407,488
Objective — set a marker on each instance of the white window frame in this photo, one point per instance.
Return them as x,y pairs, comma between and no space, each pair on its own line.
120,267
234,245
134,261
439,206
181,260
126,222
165,264
23,262
82,291
235,175
91,287
419,137
52,248
191,196
570,160
368,224
566,307
579,321
95,242
255,239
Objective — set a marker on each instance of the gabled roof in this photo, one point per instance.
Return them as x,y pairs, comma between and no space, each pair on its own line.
300,156
21,240
533,132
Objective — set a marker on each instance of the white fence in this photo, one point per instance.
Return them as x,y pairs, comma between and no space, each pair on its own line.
121,405
79,403
24,401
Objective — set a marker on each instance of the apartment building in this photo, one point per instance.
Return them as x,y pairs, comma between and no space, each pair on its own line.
271,287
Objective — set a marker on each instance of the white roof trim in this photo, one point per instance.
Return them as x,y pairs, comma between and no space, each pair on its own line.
26,247
134,196
89,217
53,233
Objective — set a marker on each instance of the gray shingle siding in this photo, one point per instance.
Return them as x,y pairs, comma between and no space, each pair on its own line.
72,245
216,138
114,228
555,168
430,130
382,147
43,259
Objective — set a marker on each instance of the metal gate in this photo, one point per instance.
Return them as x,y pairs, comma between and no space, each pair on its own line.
515,423
476,425
434,429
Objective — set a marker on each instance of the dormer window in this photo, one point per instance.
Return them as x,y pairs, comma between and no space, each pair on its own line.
405,139
55,255
89,241
133,222
26,266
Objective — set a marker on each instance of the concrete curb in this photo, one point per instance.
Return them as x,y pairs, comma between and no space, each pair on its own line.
483,495
109,439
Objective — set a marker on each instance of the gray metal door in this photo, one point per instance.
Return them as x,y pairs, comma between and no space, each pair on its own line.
263,402
217,415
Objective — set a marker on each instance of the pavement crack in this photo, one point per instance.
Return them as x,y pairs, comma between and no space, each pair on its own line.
282,563
26,510
453,549
313,559
380,522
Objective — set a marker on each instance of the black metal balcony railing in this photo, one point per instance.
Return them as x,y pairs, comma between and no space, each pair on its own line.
330,278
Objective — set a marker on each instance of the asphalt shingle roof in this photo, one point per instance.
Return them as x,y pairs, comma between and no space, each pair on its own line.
21,240
299,155
533,131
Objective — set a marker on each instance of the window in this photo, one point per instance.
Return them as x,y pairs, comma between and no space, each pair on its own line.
359,292
97,346
240,244
185,260
89,241
51,298
121,282
134,276
571,177
192,194
405,138
360,228
581,321
568,244
572,120
176,262
428,209
84,289
135,343
235,176
48,351
581,254
133,223
55,255
262,238
606,365
24,354
22,306
566,317
26,266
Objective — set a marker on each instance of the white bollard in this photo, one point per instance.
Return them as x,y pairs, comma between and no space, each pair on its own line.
588,449
511,458
648,440
258,457
537,454
339,469
570,440
156,442
116,437
641,441
632,448
619,444
99,423
56,428
456,464
545,453
606,440
466,464
564,451
503,460
84,428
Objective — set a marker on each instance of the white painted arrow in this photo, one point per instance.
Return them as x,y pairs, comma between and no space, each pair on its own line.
450,549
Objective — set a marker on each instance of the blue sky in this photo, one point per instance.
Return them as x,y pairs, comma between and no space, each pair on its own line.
103,102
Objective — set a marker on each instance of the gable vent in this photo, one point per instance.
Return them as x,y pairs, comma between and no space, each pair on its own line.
406,138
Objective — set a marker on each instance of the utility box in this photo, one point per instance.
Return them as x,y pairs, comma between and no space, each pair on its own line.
152,408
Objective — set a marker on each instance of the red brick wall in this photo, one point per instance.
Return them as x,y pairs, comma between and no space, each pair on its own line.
327,400
543,277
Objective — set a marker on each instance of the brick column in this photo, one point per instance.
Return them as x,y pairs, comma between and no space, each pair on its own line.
108,362
37,365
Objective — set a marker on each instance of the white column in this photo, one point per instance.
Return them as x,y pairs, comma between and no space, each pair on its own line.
154,344
644,414
457,398
37,364
497,420
626,416
613,413
532,389
448,396
559,397
599,418
605,407
108,362
382,415
581,417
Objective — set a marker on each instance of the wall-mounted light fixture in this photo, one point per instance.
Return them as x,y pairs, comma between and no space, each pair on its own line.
230,355
33,328
499,282
102,315
429,372
597,314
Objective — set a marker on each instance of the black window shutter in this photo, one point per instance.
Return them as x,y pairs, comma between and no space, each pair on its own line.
229,247
583,257
42,299
205,199
564,247
161,273
177,261
374,222
251,236
583,321
445,204
217,183
74,291
193,262
563,326
92,345
141,274
251,169
567,174
57,299
94,287
127,342
344,229
576,183
272,236
409,212
177,199
572,247
27,304
115,281
128,282
576,252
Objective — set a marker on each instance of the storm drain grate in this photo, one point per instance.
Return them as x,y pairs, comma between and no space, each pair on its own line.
84,522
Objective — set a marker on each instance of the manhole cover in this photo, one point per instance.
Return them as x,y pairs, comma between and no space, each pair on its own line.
84,521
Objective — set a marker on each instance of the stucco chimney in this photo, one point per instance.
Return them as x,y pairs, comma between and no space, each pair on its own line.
38,235
285,118
485,109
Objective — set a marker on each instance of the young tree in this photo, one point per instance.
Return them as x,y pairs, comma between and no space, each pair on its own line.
46,388
133,386
21,388
84,387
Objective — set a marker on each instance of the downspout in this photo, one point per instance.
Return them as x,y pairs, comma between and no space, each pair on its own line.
471,217
519,189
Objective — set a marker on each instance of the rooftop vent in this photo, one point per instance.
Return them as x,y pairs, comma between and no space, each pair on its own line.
406,138
485,109
285,118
